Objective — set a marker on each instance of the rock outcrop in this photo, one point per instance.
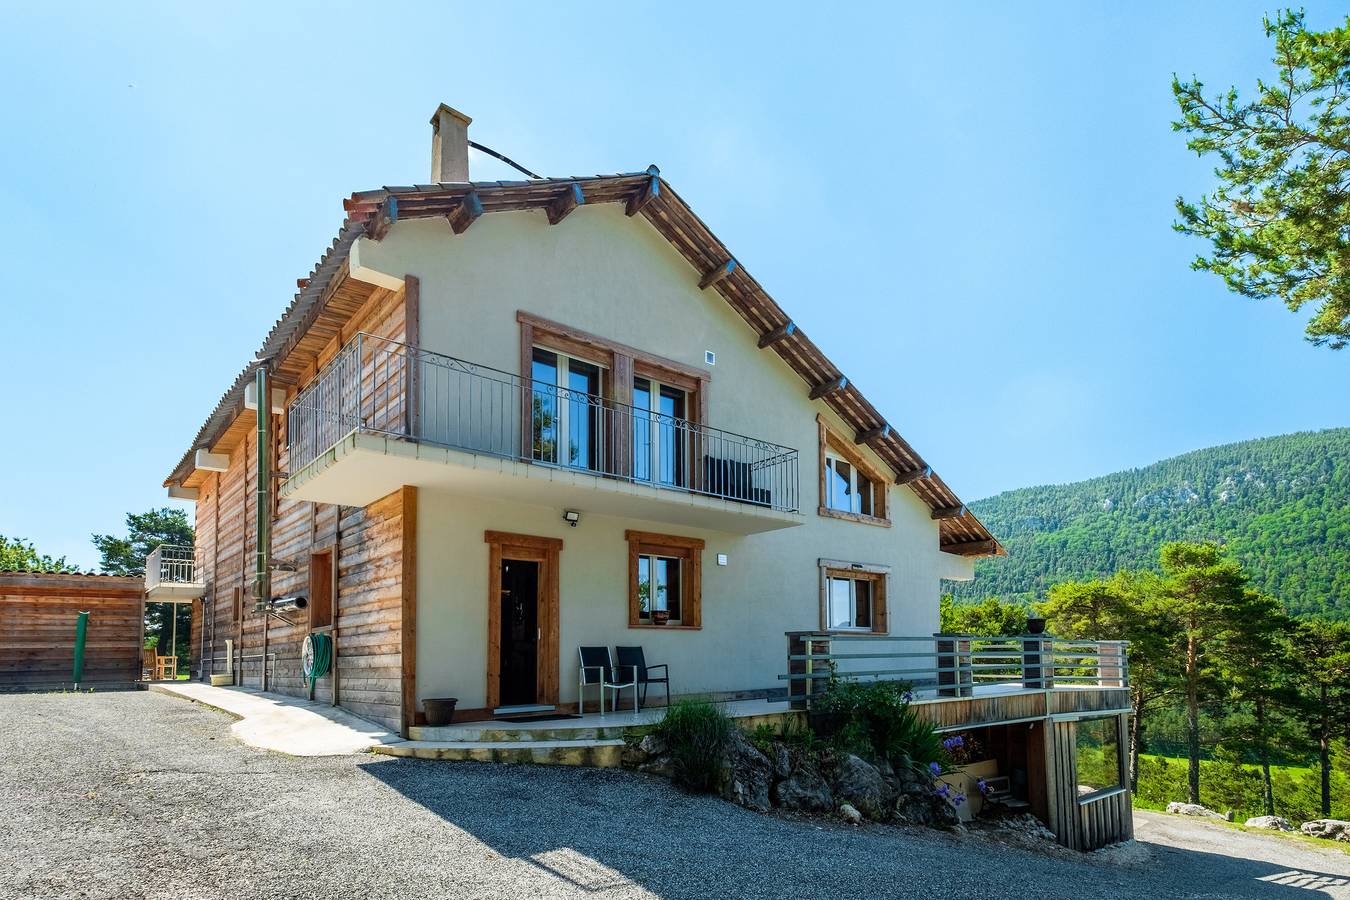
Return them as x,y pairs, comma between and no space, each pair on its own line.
1273,823
1331,829
1195,809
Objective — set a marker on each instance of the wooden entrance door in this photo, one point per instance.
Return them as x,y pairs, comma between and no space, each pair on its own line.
522,601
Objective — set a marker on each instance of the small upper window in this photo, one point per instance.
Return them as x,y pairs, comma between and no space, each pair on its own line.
847,489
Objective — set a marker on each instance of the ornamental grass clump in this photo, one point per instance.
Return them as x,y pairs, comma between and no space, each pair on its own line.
878,721
696,732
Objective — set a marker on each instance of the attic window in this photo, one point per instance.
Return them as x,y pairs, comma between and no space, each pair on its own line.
851,487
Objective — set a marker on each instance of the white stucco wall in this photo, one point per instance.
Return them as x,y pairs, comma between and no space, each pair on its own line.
616,277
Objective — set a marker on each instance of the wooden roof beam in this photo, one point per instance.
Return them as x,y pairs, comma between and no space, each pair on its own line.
825,388
769,338
949,512
650,190
881,432
972,548
385,216
466,213
716,274
567,201
911,477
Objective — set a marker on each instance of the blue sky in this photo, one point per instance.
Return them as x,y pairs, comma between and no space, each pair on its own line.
968,207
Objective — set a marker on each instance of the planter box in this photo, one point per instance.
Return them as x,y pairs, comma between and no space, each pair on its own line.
965,780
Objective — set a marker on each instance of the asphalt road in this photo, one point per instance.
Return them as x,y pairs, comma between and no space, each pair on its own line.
142,795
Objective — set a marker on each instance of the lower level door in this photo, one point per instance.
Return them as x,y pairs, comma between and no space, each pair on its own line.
520,632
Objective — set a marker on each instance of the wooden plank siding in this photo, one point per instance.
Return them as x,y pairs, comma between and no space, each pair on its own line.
367,544
37,629
1084,822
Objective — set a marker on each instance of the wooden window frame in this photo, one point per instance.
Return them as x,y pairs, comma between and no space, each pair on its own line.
619,364
545,551
879,576
832,443
237,599
647,543
322,589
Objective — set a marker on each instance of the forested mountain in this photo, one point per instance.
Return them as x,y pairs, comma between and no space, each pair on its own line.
1280,504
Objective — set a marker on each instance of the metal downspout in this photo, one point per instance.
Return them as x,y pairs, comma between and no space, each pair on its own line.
262,586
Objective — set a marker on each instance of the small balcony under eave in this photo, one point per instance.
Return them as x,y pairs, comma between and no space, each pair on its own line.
383,414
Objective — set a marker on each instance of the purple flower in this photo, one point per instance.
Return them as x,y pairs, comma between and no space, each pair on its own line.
907,696
942,790
984,788
954,742
935,768
960,798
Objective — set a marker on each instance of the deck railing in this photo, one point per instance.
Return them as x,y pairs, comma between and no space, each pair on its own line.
952,666
170,564
380,386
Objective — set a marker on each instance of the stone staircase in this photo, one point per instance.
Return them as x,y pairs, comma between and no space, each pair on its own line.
549,743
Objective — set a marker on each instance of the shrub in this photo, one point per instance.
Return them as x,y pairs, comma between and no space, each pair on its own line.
696,732
880,722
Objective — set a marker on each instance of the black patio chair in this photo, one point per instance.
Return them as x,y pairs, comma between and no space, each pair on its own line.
598,669
634,658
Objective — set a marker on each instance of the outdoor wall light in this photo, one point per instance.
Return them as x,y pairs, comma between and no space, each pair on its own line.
571,517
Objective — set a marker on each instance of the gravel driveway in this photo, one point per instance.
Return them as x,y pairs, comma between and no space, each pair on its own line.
137,794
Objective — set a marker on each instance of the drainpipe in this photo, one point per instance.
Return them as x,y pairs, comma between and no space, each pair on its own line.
262,578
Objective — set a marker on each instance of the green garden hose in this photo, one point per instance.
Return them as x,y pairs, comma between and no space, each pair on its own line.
316,656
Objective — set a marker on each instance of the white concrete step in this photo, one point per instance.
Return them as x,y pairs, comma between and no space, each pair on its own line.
604,754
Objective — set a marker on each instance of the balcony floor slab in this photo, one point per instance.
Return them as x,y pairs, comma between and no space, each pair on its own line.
361,468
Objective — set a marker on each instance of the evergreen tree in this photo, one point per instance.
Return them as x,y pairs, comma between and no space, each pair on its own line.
1323,651
1203,594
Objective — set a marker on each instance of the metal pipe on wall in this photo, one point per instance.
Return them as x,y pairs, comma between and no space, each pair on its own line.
262,576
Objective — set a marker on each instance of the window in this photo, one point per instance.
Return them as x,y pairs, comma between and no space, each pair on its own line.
664,576
850,486
238,598
1098,754
853,596
566,413
847,489
850,604
660,433
320,589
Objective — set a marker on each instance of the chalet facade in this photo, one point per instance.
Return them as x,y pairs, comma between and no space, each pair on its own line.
502,420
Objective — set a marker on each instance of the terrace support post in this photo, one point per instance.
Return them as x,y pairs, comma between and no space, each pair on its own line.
806,644
955,675
1032,671
1111,664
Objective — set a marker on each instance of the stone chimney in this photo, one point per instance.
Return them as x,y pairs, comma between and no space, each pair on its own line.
449,145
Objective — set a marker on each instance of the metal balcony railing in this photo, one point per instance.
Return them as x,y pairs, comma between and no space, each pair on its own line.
380,386
170,564
953,665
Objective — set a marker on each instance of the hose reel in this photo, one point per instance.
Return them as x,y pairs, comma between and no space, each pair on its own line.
316,655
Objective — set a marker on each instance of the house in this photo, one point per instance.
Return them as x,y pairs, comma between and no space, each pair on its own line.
505,419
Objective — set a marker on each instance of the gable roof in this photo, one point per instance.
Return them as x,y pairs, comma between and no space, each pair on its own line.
648,195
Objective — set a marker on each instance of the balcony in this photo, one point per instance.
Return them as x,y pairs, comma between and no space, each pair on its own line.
171,575
383,414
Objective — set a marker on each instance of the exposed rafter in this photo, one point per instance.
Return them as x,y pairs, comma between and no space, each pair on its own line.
650,190
825,388
872,434
769,338
916,475
567,201
949,512
385,217
716,274
466,213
